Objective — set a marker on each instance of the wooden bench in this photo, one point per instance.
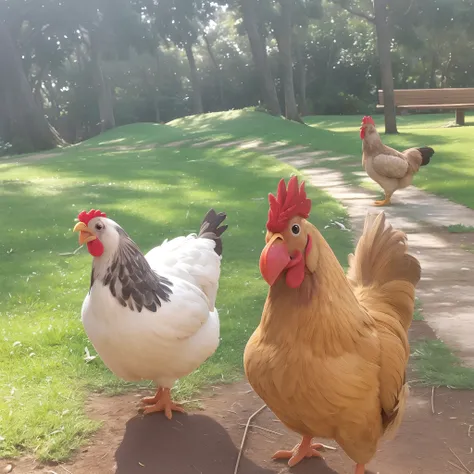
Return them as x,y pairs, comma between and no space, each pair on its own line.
458,99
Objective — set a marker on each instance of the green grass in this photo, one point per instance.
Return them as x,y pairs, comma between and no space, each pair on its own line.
436,365
418,314
154,194
460,229
450,173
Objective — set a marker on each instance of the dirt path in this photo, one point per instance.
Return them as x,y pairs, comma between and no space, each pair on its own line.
206,442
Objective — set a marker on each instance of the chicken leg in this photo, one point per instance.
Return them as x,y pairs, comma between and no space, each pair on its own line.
161,402
360,469
385,201
303,450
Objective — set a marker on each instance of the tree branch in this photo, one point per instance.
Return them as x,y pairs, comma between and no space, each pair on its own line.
366,16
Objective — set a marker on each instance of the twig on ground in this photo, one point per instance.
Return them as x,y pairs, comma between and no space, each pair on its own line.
69,254
263,429
462,464
456,466
252,416
67,470
432,399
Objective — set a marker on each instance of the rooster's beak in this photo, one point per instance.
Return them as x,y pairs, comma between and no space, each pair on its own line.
274,259
85,234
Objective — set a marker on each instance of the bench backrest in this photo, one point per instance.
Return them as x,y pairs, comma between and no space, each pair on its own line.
431,96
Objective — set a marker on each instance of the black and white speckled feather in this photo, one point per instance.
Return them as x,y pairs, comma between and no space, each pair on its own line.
131,279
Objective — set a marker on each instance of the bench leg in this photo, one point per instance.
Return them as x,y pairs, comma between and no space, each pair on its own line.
460,117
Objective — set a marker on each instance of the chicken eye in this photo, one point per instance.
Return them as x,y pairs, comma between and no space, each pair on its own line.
295,229
99,226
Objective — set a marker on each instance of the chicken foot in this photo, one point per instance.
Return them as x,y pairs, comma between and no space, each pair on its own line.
303,450
384,202
161,402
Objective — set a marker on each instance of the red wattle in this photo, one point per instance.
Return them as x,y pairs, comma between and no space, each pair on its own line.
95,248
295,270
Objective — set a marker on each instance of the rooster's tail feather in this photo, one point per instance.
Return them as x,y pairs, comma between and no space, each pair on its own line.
383,276
381,263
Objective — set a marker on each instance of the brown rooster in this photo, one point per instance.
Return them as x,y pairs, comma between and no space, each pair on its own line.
389,168
330,353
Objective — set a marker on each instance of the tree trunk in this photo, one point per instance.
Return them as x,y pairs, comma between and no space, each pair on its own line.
156,95
301,74
22,121
283,35
104,96
38,84
260,58
218,72
197,97
384,49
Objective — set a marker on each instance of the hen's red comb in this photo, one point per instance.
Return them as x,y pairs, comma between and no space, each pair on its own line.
368,120
288,203
85,217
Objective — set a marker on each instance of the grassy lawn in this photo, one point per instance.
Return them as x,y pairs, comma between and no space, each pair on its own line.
450,173
154,194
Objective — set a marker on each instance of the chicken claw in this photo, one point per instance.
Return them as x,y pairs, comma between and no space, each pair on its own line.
385,202
152,400
303,450
161,402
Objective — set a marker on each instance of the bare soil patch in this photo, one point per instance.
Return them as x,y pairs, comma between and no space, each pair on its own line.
207,441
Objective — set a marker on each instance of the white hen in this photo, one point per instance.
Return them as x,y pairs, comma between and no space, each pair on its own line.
152,317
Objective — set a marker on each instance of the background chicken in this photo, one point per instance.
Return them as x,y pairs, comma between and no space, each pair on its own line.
152,317
389,168
330,353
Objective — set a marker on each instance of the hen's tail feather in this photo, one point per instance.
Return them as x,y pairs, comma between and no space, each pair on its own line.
384,276
210,228
426,154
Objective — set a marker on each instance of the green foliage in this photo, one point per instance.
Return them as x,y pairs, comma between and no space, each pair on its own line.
434,44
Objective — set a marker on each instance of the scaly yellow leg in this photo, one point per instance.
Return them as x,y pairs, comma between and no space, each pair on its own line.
385,202
305,449
162,402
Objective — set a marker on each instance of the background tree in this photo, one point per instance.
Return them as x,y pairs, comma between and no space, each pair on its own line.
253,18
82,68
23,124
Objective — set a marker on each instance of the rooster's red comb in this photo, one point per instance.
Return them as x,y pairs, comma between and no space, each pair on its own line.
368,120
85,217
287,204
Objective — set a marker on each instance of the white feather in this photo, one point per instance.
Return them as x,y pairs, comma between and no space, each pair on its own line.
176,339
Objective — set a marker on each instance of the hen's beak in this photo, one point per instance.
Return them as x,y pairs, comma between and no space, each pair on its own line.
274,259
85,234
